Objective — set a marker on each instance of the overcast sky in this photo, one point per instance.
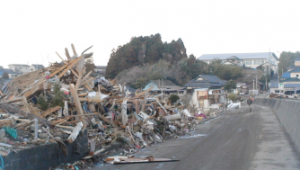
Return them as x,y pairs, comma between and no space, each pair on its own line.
32,31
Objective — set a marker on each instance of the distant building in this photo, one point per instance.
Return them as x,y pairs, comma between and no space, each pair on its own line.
10,72
100,70
164,86
20,68
205,81
34,67
23,68
289,83
251,60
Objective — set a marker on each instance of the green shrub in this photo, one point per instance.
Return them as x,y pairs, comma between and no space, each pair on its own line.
173,98
232,97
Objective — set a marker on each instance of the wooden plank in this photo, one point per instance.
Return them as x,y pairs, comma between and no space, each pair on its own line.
60,56
67,54
73,62
88,87
34,89
73,48
49,111
1,93
67,63
79,78
13,100
90,100
60,69
86,76
86,81
77,103
82,94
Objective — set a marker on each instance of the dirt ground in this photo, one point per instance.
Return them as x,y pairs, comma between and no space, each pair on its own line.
236,141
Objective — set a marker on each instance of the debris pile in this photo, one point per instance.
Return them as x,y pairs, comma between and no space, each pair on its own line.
57,103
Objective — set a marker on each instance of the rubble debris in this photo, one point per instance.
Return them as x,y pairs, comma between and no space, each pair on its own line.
133,160
58,103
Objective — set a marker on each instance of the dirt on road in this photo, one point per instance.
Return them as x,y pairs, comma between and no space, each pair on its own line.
237,141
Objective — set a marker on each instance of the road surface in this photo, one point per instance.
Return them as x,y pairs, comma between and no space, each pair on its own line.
237,141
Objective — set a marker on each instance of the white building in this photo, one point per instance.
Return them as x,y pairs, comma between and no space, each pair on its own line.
23,68
20,68
252,60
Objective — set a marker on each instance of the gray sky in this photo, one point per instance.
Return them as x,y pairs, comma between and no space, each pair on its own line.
32,31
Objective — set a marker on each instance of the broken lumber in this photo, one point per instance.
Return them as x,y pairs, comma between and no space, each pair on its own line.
73,62
77,102
75,132
49,111
7,122
13,109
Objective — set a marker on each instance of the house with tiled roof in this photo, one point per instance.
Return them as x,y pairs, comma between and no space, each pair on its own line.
205,81
165,86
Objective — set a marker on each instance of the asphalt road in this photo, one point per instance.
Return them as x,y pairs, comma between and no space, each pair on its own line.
237,141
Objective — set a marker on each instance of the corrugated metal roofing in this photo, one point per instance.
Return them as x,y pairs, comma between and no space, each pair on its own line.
286,75
289,79
264,55
291,85
207,82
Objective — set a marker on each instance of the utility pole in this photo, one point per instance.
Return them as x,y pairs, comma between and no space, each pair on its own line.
253,87
256,81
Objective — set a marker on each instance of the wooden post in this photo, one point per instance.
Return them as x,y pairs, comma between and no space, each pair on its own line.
77,103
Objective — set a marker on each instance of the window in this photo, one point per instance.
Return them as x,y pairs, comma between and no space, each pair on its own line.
276,91
258,62
248,62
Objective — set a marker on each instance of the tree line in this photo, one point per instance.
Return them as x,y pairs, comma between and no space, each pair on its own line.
147,58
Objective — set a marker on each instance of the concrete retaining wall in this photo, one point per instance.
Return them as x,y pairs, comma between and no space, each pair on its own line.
288,113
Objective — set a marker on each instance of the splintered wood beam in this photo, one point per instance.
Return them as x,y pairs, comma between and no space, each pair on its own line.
121,100
73,62
38,86
73,48
60,69
82,94
87,81
13,100
60,57
77,103
86,76
13,109
90,100
7,122
1,93
74,72
51,110
67,54
143,93
88,87
78,80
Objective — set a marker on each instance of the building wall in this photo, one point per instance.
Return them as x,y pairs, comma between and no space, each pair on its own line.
296,74
253,63
297,63
17,68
